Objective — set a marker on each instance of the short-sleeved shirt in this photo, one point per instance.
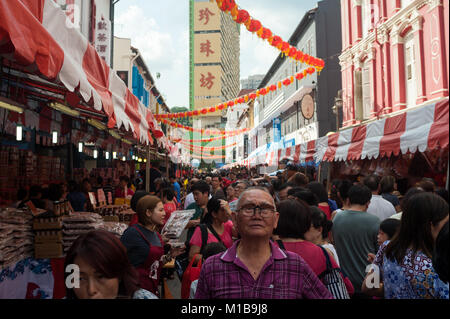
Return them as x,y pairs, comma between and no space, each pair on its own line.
414,278
315,258
77,200
189,200
355,235
381,208
197,215
177,189
137,247
284,276
311,253
391,198
169,208
120,192
226,236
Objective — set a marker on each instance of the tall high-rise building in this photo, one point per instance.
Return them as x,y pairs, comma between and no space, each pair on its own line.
214,61
252,82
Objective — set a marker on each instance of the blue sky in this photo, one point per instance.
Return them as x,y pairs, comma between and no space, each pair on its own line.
160,30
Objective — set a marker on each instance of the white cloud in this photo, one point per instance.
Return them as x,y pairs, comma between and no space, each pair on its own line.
161,53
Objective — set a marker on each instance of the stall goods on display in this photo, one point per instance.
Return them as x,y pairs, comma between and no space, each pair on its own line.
116,213
76,224
177,223
49,245
114,227
22,169
16,236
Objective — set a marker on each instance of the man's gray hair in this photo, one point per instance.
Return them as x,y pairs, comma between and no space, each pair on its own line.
238,205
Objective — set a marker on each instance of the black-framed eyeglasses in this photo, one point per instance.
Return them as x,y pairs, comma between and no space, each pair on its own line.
250,211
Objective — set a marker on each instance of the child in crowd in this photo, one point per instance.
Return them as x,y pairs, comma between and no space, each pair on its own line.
211,249
388,228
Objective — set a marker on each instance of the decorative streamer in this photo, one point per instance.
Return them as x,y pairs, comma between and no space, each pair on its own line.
241,100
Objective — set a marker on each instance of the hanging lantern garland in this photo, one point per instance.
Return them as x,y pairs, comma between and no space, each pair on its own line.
208,148
244,99
218,157
203,131
205,140
255,26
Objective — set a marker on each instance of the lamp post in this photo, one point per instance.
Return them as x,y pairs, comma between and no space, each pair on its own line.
338,103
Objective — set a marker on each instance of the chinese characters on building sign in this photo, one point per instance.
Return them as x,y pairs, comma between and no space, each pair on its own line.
103,40
206,48
204,15
207,81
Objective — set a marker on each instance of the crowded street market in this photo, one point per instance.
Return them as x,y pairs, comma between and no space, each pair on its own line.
327,178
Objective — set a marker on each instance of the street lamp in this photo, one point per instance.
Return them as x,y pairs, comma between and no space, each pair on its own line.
338,103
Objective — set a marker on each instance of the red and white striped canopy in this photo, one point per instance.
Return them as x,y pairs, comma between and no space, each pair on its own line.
421,129
38,35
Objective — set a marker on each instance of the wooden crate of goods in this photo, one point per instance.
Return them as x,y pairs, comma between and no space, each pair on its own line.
48,250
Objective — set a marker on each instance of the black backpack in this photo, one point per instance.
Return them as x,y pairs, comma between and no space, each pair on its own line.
182,261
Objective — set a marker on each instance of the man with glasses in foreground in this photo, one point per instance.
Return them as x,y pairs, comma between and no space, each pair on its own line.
254,267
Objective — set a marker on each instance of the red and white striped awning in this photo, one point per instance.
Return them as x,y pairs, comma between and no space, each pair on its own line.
421,129
38,35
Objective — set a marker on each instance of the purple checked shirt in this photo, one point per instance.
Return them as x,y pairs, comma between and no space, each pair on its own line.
284,276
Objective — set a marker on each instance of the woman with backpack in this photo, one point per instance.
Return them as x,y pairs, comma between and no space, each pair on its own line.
294,222
215,226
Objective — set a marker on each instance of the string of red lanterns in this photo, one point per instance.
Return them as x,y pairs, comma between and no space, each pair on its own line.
244,99
255,26
208,148
203,131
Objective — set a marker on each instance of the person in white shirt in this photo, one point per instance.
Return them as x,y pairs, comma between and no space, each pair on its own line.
378,206
190,197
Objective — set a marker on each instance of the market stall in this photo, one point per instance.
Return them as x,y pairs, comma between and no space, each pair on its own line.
61,106
413,143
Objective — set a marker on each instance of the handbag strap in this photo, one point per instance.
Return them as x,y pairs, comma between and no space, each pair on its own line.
199,264
327,257
280,244
214,233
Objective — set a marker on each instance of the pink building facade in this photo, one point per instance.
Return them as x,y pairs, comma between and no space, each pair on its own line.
395,56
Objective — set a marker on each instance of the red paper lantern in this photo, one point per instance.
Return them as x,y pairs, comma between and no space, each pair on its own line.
242,16
189,114
263,92
254,26
273,87
266,33
299,56
195,113
230,104
292,52
252,96
212,109
285,46
299,76
227,5
276,41
287,82
221,107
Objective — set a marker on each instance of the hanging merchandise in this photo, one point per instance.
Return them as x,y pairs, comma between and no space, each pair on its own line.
255,26
241,100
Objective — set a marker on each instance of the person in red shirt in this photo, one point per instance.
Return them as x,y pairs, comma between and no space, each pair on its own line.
294,222
168,199
123,191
